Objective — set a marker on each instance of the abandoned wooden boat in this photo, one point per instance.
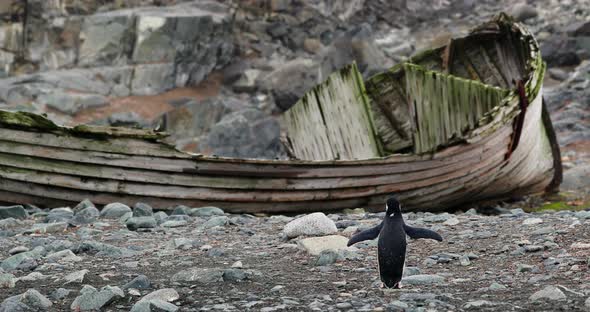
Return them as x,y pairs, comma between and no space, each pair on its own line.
461,123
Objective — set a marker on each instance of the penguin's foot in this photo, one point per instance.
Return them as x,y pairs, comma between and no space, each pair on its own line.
398,285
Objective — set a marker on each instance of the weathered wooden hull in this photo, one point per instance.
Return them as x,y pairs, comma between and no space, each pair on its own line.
46,165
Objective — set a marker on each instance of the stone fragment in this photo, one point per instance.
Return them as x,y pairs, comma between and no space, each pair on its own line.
315,245
548,293
423,279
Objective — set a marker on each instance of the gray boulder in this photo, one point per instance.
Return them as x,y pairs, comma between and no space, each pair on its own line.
150,79
114,211
136,223
91,299
16,212
106,39
247,133
72,103
31,300
142,210
280,81
199,275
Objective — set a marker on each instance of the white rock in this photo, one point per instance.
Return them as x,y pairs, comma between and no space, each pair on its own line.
423,279
63,256
532,221
315,224
237,264
33,276
452,221
315,245
548,293
579,245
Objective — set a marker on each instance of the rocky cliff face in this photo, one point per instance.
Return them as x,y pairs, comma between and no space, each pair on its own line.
217,73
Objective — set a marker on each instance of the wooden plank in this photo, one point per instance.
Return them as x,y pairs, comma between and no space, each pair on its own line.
332,120
469,101
124,146
389,110
390,183
206,169
108,172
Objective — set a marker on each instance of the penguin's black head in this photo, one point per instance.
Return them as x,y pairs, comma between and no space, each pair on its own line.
393,207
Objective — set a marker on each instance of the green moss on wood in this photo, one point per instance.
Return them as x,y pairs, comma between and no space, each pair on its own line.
24,120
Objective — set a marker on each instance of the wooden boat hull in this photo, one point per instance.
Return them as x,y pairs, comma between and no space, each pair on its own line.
47,165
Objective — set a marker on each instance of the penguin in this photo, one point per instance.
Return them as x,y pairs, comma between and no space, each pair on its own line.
391,247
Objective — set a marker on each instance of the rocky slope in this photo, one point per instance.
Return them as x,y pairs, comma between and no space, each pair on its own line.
200,259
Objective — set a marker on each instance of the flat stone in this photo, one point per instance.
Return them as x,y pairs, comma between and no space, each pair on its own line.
423,279
315,245
91,299
173,223
205,212
17,250
533,248
63,256
107,250
10,223
580,245
532,221
136,223
452,222
478,304
548,293
522,268
14,261
35,300
496,286
72,103
216,221
315,224
139,282
442,217
165,294
33,276
199,275
114,211
154,305
43,228
76,277
16,212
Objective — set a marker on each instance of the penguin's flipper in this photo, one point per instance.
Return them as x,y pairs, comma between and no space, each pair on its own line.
367,234
415,233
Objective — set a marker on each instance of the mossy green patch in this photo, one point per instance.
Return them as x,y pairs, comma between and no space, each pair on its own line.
559,206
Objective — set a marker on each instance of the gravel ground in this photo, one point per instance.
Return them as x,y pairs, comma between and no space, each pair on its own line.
205,260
